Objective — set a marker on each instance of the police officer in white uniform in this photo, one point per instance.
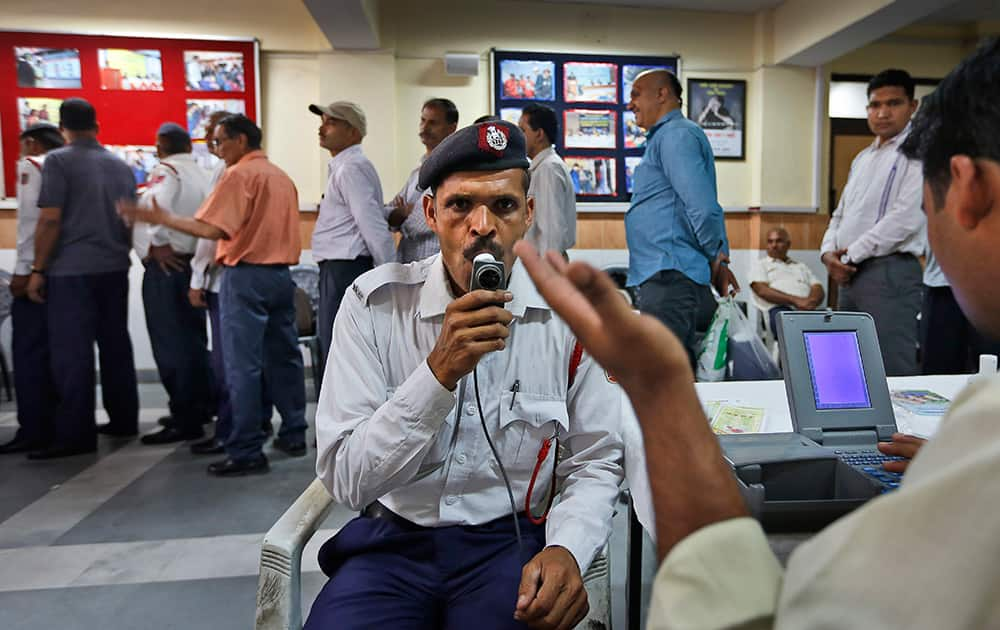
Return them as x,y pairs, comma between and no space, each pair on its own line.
33,384
447,411
177,329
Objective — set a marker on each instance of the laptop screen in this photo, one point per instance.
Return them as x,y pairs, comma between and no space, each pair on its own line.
838,377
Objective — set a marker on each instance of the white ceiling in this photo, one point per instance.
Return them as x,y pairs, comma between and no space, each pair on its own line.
723,6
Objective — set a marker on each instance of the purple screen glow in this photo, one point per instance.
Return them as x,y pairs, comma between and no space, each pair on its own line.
838,378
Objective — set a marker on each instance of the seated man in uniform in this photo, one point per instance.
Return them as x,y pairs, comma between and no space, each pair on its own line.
447,414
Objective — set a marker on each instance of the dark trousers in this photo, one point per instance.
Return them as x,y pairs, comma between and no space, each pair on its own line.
179,340
889,288
35,389
224,409
258,329
83,310
388,575
335,278
673,298
950,344
772,317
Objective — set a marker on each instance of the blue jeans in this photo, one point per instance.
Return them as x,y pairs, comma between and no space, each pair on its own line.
387,575
224,410
179,341
36,392
257,313
83,310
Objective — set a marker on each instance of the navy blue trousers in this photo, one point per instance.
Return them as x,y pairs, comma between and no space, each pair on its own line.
179,340
83,310
772,317
35,389
385,575
224,409
335,278
257,317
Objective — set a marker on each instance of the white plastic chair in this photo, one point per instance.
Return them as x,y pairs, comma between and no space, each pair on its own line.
279,588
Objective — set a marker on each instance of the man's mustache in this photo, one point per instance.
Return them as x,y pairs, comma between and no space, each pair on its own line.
483,244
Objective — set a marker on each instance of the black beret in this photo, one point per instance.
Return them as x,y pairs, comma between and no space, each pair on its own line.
487,146
44,132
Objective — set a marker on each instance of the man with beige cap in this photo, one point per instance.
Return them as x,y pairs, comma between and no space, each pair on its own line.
351,234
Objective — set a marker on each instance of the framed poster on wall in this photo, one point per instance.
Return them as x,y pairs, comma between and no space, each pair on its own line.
598,137
134,83
719,107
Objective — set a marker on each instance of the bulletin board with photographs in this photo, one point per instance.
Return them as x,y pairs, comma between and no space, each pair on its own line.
719,107
599,139
135,83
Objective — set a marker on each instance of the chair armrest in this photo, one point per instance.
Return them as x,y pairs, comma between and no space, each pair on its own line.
597,581
279,588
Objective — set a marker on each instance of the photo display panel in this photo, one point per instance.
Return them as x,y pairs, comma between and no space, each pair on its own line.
838,376
134,83
598,137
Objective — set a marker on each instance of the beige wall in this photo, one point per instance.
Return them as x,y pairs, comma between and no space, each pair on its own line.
298,67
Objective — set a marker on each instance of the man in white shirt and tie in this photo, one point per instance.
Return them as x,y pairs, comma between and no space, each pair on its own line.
438,120
551,185
352,233
877,231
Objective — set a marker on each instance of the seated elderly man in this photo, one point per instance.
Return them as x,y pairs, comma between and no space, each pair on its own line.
448,413
782,284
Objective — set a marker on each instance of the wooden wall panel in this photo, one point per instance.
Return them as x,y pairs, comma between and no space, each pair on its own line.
746,230
599,230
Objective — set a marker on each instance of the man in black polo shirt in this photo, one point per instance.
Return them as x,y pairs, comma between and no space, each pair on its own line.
81,273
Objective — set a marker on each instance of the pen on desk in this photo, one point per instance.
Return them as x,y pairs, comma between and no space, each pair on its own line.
514,388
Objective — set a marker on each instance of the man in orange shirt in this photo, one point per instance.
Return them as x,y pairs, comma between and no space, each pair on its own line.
254,213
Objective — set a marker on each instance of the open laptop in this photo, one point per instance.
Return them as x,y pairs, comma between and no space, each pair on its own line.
836,386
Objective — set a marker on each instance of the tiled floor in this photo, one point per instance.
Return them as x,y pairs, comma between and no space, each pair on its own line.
139,537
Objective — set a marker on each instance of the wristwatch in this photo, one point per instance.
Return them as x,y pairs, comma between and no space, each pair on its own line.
40,272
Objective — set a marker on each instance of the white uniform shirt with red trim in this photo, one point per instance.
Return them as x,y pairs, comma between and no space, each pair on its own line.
29,184
385,424
179,184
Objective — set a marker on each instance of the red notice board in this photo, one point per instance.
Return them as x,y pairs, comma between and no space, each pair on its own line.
133,89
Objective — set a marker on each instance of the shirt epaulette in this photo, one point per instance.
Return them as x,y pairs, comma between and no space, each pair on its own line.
169,166
389,274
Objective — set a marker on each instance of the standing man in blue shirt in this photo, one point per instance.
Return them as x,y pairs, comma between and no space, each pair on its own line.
674,228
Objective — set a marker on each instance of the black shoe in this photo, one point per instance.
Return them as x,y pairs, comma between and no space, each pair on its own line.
107,429
169,435
290,447
166,421
54,452
238,468
208,447
20,445
268,429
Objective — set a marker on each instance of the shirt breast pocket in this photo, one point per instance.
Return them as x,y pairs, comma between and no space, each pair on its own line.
527,420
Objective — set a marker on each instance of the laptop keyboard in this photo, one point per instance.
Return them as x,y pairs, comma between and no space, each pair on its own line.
869,461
